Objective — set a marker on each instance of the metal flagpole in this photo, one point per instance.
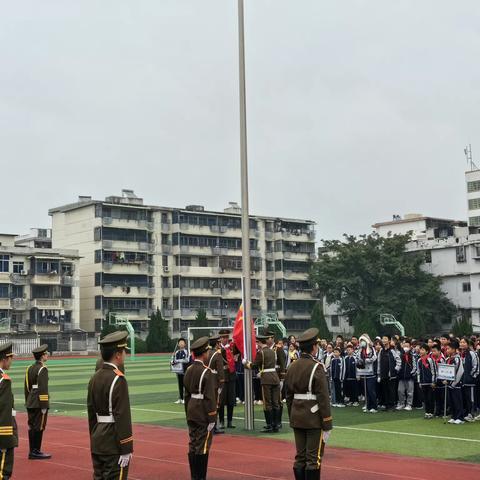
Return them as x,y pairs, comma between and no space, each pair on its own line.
247,310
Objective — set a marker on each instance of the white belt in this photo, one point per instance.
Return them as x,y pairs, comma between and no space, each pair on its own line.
34,387
198,396
269,370
105,418
214,372
14,413
304,396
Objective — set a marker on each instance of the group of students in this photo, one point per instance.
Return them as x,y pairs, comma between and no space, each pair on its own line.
399,373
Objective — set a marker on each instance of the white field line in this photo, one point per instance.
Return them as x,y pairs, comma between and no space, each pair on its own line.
372,430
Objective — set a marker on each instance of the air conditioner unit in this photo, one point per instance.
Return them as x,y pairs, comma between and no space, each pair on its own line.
23,272
166,269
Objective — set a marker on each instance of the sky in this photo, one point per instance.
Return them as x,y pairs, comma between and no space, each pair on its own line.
356,110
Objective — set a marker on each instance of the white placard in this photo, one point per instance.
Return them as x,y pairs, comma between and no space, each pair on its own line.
446,371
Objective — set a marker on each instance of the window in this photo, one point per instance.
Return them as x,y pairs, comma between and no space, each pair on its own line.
335,321
18,267
164,260
3,290
98,279
67,269
4,261
17,291
466,287
474,221
97,233
202,262
98,302
428,256
461,254
474,204
98,256
98,325
473,186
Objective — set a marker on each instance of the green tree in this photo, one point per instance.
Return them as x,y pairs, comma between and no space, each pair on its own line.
413,321
365,324
201,320
107,326
317,320
370,275
158,339
462,327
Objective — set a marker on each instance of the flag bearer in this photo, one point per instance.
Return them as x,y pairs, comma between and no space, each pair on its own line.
109,417
8,425
265,361
37,402
228,395
215,363
308,405
200,408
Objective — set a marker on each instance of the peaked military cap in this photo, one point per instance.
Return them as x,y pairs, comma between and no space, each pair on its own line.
269,334
215,338
262,338
200,346
224,333
6,350
115,339
41,349
308,336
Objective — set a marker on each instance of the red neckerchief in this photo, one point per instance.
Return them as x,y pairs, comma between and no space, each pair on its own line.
425,361
407,357
451,360
436,360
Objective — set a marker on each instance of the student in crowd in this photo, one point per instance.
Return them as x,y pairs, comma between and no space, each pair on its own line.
427,379
180,360
337,373
350,382
455,386
469,379
439,391
389,364
292,354
365,359
327,363
406,375
444,341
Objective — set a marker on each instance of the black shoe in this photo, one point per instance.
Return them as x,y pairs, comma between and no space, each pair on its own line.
299,473
38,455
312,474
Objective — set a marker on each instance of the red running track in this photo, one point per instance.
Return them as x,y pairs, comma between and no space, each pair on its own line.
161,454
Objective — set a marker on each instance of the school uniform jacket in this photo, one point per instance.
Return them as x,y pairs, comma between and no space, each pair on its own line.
366,358
8,425
457,361
470,368
200,394
109,416
36,386
350,368
426,371
337,369
408,368
394,363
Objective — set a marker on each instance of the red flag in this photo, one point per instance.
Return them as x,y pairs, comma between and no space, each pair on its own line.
238,333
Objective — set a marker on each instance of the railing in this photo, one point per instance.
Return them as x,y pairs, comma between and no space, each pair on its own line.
67,303
167,312
47,303
19,279
20,304
165,227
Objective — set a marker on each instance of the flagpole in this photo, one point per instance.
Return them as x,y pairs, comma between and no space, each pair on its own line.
247,310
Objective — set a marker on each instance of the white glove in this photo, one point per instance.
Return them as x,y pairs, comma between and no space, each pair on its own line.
244,361
326,436
281,385
44,411
219,391
124,460
210,427
379,379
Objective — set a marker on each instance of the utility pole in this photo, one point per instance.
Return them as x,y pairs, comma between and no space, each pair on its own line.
247,305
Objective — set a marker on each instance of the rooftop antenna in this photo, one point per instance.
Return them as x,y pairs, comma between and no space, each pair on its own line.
468,155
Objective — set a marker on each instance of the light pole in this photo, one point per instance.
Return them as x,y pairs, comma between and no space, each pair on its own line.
247,307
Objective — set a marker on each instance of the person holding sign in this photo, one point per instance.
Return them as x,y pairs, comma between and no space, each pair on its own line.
365,358
455,386
439,391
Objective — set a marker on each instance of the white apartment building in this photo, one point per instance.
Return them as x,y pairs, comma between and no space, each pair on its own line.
136,257
38,287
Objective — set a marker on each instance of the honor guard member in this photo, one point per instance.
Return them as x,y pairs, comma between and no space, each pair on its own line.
200,408
215,363
8,425
308,405
228,395
280,366
37,402
265,362
109,417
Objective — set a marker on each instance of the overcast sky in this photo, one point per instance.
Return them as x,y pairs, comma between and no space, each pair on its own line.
357,110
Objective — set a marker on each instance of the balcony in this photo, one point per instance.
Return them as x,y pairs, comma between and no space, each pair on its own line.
20,304
292,275
67,281
124,223
296,314
231,293
255,253
135,291
46,327
298,294
165,228
124,245
47,303
19,279
48,278
167,291
167,313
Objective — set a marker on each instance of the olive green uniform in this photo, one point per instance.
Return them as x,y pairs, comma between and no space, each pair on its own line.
228,393
8,427
201,411
280,366
36,400
308,405
110,422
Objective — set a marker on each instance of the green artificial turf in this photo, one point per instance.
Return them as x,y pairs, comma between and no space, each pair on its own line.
153,390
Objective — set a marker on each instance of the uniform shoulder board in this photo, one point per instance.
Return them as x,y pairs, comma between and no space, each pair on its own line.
6,377
118,373
322,365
